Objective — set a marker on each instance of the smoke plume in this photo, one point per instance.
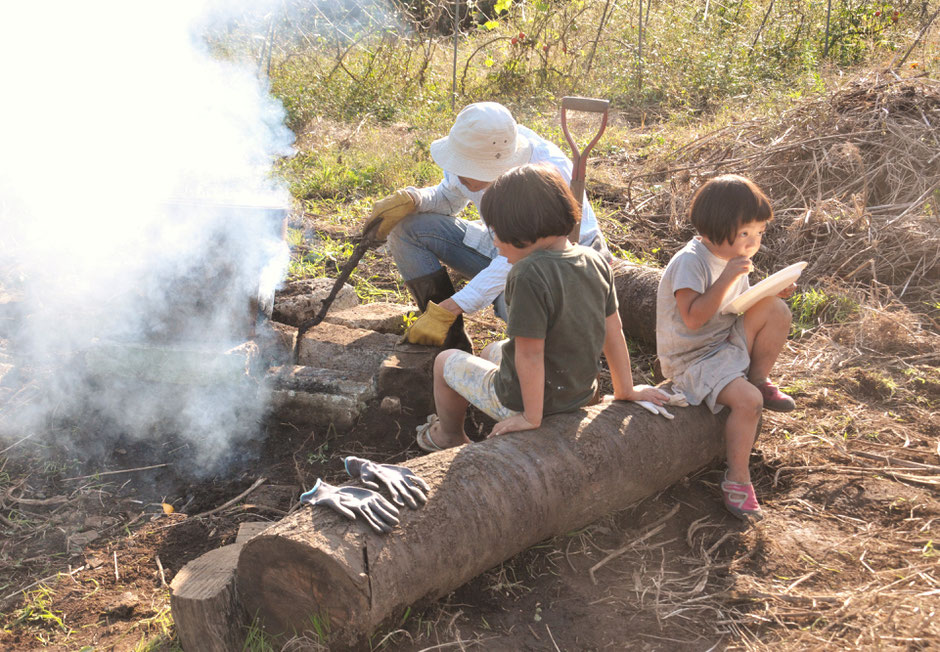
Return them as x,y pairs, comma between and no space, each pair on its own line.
138,219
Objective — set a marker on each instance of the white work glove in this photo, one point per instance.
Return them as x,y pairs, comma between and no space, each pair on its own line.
676,399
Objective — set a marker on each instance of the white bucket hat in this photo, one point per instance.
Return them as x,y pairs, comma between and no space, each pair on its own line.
482,144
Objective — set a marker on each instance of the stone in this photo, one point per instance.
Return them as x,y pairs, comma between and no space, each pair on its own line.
380,317
390,405
355,350
316,396
301,300
173,364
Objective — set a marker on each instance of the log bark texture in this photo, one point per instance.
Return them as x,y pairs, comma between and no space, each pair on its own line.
488,501
636,293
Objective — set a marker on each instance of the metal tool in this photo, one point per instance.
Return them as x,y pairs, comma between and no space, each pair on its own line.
366,242
579,158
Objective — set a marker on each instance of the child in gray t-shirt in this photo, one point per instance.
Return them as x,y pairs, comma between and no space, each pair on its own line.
562,315
723,360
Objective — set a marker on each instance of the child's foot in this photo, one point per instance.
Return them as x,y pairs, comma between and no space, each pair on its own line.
740,499
423,438
431,438
774,399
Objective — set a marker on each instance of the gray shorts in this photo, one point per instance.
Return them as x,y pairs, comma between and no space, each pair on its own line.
703,381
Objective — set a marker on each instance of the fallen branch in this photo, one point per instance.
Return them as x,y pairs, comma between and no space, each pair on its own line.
893,460
234,500
160,568
38,582
104,473
654,528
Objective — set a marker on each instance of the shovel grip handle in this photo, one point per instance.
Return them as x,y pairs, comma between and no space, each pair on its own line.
589,104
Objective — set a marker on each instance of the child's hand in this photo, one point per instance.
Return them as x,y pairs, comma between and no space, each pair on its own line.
787,292
515,423
736,267
645,393
649,398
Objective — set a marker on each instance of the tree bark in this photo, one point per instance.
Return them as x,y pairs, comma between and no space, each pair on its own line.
487,502
636,293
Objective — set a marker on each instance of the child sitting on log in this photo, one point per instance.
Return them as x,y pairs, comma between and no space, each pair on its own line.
724,359
562,315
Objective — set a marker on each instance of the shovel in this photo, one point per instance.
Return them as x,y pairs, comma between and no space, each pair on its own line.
579,158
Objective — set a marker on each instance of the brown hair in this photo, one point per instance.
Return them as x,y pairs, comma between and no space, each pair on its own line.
724,204
527,203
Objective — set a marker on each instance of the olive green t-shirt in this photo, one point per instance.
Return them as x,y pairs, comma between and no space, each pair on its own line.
563,297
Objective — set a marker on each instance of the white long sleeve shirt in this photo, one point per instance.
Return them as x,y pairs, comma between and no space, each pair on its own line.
450,196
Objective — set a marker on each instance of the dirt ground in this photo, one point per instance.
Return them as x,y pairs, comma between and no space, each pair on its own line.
845,558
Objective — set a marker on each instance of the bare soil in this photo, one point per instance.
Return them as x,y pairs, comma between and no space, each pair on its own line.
845,558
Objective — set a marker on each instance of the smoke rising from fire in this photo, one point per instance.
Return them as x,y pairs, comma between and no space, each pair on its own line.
124,147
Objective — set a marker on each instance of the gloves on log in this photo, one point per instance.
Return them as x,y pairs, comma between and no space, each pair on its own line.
676,399
431,327
388,212
375,510
401,482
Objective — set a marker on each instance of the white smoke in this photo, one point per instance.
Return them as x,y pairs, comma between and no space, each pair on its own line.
123,145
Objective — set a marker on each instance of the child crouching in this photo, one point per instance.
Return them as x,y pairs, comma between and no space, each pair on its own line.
562,315
724,359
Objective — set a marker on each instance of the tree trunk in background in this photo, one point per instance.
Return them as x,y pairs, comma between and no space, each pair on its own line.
636,292
488,501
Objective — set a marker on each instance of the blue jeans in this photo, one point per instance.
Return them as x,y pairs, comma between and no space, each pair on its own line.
423,243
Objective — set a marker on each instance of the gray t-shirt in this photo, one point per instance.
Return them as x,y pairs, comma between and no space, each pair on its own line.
563,297
694,267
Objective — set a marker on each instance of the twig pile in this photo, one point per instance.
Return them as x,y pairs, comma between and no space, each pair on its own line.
854,178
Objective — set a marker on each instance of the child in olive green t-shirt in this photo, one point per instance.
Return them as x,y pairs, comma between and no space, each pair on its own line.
562,315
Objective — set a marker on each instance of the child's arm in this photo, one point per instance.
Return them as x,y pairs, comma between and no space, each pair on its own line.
618,359
530,367
696,309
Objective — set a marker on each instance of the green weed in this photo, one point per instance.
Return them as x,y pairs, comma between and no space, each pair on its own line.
813,306
256,640
159,633
38,613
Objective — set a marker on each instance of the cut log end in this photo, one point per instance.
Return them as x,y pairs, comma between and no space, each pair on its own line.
292,587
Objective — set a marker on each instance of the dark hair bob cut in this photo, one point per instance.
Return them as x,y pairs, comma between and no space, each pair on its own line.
527,203
723,204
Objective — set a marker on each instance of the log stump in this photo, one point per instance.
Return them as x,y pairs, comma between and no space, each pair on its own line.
205,605
488,501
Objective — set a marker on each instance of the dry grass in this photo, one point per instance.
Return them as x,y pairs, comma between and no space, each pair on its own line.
854,178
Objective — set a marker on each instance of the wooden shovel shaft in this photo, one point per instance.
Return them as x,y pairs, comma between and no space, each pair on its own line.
579,158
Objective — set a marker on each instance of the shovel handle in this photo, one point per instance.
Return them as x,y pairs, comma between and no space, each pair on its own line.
579,158
589,104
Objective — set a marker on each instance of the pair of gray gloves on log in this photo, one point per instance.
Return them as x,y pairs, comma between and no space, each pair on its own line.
405,487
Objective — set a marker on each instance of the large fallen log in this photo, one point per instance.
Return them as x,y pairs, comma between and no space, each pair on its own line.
487,502
636,294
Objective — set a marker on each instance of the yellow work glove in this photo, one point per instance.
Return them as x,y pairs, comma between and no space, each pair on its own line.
389,212
431,327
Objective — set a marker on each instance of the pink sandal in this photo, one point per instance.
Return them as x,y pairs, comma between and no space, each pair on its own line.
774,399
740,499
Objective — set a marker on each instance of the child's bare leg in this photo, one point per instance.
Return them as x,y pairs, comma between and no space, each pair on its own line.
766,326
451,408
745,402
